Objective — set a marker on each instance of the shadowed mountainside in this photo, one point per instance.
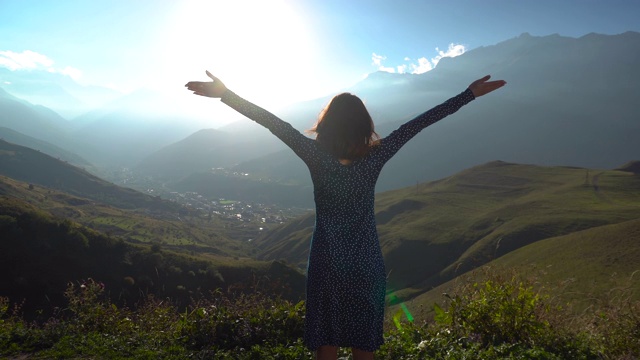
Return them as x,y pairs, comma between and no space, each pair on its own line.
31,166
43,146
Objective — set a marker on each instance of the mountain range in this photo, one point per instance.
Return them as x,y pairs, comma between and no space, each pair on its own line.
569,101
574,223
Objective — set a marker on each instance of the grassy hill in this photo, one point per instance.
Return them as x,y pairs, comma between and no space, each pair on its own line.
187,232
431,233
585,269
49,239
60,224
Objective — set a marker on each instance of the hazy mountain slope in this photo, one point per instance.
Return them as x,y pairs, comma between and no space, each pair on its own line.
28,165
581,268
433,232
199,152
47,148
55,91
32,120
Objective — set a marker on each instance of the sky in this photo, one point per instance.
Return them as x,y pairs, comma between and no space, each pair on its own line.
275,52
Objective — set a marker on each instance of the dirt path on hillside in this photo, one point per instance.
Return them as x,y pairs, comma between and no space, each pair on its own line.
596,188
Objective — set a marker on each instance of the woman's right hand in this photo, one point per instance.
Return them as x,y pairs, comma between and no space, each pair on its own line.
213,89
483,86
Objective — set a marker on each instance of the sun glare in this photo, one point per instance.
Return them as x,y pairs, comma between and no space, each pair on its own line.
260,49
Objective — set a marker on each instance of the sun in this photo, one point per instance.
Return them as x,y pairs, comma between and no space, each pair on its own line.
260,49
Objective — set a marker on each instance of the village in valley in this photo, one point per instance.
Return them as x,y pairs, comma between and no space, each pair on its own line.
239,211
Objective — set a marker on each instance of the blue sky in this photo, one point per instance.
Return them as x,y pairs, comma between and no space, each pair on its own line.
275,52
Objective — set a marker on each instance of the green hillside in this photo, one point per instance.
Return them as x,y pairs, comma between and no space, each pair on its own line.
189,231
49,239
433,232
60,224
31,166
584,269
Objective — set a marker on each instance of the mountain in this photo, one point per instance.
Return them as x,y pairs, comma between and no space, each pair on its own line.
201,151
567,102
28,165
131,128
431,233
55,91
43,146
33,120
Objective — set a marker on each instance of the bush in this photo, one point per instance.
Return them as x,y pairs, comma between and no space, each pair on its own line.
500,317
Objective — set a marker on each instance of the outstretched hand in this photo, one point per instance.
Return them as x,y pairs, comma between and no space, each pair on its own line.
483,86
213,89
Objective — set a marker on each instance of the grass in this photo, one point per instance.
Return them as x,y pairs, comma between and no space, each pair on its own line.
433,232
493,314
135,225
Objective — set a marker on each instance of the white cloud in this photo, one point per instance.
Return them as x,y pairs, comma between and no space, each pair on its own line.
31,60
25,60
377,59
453,51
423,65
72,72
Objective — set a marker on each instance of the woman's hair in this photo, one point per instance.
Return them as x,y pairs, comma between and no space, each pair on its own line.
345,128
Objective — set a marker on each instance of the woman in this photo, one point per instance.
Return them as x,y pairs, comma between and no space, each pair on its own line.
346,274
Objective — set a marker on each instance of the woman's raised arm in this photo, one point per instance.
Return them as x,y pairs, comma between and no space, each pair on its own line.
299,143
397,139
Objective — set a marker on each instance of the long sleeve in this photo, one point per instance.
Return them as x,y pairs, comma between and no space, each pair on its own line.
390,145
299,143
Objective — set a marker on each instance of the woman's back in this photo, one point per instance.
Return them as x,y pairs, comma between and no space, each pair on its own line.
346,277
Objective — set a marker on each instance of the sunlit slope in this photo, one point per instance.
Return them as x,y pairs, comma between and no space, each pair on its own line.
580,269
431,233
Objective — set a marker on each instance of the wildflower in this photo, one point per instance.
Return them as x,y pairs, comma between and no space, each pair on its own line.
422,345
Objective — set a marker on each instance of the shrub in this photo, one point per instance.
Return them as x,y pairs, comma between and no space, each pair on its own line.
500,317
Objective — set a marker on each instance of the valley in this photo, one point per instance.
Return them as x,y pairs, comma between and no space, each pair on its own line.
500,176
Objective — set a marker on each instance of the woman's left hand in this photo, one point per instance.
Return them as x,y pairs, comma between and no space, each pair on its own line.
213,89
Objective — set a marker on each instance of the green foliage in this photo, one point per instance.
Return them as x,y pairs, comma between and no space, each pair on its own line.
496,313
501,316
42,253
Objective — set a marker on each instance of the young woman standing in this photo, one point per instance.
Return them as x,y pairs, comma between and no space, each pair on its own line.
346,275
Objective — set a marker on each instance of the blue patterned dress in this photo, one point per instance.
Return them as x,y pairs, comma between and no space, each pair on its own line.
346,277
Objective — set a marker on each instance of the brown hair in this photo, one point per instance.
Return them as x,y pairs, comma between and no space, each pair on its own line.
345,128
